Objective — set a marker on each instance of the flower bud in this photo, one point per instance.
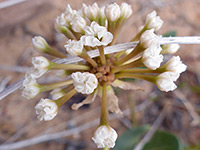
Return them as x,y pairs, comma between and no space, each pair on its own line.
153,21
113,12
102,12
126,11
46,109
165,82
74,48
91,11
170,49
105,136
78,23
40,43
40,62
84,83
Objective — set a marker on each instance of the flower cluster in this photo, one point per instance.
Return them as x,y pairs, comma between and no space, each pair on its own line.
95,27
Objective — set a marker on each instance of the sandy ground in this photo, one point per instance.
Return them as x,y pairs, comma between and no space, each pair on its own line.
19,23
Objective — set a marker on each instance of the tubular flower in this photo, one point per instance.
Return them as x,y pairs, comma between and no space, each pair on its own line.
39,43
74,48
91,12
165,82
84,83
96,35
105,136
153,21
113,12
46,109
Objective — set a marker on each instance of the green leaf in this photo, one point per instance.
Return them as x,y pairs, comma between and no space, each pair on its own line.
130,138
170,34
163,140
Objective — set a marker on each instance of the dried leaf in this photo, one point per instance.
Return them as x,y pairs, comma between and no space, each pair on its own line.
126,85
112,102
89,99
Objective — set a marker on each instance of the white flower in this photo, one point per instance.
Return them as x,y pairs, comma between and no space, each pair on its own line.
46,109
126,10
165,82
148,38
74,48
78,23
151,57
91,11
57,93
40,62
84,83
113,12
105,136
96,35
39,43
153,21
175,65
170,49
31,88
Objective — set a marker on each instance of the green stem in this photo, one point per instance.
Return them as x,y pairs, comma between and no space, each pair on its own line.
48,87
137,63
65,98
54,52
104,111
137,76
138,49
68,66
106,148
85,56
137,37
139,70
133,112
102,55
67,32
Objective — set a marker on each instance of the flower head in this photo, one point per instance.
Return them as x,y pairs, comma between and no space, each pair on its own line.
96,35
84,83
113,12
105,136
153,21
40,43
46,109
74,48
165,82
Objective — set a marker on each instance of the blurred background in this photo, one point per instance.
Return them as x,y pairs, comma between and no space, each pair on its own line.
20,22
